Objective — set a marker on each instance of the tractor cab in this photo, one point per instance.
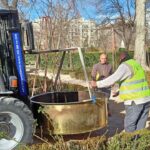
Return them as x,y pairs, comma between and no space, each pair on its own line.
14,37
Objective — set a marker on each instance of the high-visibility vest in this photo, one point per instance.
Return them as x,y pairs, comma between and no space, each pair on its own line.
137,86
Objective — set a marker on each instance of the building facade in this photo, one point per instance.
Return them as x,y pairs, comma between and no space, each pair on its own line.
77,33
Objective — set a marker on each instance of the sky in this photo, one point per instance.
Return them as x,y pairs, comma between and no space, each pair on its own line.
87,10
35,11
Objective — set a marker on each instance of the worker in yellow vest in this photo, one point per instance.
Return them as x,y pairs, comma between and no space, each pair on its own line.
134,91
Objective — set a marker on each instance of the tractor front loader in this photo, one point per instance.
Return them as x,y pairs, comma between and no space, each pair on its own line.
16,118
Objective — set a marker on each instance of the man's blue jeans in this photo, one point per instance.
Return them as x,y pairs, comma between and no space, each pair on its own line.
136,116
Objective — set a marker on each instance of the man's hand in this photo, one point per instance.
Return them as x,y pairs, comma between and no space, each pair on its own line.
93,84
114,94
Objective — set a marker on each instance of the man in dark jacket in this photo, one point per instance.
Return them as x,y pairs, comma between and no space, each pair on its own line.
101,71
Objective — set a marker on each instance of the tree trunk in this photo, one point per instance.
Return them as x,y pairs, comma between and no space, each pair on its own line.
140,53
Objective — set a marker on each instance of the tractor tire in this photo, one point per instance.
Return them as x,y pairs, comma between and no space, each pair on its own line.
16,120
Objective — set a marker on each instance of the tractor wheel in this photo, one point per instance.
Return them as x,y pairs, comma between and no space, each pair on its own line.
16,122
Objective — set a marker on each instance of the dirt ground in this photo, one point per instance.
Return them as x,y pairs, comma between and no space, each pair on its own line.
115,121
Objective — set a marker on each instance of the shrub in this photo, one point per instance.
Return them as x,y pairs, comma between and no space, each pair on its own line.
126,141
95,143
122,141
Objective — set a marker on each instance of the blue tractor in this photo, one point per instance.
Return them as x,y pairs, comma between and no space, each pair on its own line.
16,118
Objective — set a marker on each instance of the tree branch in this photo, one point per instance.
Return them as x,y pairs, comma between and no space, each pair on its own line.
5,4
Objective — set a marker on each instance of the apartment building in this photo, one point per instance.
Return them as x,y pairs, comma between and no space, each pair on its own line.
77,33
82,32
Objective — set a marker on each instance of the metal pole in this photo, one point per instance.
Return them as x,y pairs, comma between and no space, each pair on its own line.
58,72
85,73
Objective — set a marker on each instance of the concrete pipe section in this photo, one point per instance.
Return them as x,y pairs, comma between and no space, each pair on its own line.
69,112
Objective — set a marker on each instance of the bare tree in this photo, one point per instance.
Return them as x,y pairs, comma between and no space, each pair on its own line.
104,36
120,14
11,4
140,53
55,20
54,26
